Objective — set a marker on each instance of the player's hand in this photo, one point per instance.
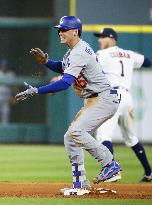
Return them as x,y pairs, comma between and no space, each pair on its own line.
31,91
39,55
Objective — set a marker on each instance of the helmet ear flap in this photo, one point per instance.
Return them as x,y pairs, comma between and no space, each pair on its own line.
79,33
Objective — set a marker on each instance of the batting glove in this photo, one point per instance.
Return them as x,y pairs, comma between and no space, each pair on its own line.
39,55
31,91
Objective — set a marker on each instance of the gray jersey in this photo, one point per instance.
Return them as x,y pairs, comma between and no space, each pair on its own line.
81,62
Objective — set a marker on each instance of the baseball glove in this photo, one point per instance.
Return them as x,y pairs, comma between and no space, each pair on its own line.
39,55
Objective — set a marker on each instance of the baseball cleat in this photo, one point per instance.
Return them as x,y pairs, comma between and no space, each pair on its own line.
146,179
109,173
114,178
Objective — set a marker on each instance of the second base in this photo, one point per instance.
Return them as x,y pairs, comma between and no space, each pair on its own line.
71,191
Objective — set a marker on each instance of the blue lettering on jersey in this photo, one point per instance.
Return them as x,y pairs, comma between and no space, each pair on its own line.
88,50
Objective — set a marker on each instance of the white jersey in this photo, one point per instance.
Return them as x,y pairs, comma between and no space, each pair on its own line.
118,65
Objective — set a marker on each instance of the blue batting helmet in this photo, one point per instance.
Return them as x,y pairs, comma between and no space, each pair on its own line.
70,22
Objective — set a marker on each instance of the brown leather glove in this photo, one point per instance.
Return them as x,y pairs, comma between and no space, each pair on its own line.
39,55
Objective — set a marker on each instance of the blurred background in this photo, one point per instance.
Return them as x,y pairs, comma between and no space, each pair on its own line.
29,24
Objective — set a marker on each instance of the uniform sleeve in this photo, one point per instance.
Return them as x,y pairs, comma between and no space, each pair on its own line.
147,63
138,59
55,66
64,83
74,65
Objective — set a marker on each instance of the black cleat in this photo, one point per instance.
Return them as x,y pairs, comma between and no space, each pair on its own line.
146,179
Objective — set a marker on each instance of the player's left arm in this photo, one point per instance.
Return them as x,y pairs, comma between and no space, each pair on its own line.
64,83
140,60
147,63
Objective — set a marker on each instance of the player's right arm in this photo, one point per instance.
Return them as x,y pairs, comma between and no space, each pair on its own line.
43,59
101,57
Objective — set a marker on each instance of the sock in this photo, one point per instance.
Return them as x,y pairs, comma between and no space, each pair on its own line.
79,175
109,145
140,153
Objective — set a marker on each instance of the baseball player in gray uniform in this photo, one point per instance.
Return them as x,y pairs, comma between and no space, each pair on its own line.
80,69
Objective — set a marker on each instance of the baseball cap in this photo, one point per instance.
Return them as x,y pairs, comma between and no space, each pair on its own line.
107,32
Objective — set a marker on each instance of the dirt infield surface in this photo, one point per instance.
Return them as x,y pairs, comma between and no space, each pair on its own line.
51,190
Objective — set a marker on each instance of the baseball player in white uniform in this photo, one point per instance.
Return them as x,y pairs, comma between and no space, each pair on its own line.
118,65
80,69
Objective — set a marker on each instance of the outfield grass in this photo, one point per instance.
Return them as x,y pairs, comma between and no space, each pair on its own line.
35,163
44,201
29,163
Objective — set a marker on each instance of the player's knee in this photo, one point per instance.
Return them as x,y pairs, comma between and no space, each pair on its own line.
76,135
71,135
66,137
130,142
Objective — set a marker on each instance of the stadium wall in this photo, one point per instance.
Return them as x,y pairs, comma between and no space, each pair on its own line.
67,104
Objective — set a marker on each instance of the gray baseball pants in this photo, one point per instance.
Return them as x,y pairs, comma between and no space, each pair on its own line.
95,111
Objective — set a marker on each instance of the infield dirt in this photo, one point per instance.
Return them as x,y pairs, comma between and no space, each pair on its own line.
52,190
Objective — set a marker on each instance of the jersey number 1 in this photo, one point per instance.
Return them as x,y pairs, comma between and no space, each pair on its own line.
122,69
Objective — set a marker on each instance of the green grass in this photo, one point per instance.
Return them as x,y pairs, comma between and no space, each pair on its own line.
29,163
44,201
40,163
